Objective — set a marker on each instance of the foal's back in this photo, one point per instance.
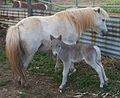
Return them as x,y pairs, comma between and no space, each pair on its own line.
77,52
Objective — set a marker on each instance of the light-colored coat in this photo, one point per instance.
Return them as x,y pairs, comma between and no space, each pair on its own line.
70,54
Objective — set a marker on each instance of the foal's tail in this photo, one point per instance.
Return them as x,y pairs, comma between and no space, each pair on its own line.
98,51
14,51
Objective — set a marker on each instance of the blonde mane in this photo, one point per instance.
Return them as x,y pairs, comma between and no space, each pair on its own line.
82,19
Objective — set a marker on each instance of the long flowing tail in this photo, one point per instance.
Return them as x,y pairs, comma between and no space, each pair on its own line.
14,51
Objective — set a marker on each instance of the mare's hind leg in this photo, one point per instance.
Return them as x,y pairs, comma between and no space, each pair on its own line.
18,80
97,68
27,60
30,51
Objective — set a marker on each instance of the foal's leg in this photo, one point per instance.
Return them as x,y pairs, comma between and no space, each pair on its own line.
66,68
97,68
103,71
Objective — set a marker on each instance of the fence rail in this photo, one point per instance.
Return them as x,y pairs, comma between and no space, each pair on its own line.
11,16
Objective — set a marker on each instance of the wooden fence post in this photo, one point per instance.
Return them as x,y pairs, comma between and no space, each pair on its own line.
76,1
29,2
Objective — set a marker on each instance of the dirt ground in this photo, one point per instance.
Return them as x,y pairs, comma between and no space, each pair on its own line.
40,86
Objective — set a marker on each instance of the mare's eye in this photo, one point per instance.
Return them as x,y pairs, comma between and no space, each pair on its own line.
58,45
103,20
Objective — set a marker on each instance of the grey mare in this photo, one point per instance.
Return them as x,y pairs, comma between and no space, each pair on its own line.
70,54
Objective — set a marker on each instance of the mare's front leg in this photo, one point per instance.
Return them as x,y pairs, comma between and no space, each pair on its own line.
66,68
57,65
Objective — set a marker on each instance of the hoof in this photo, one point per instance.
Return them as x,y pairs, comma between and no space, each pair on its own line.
21,83
104,86
101,86
60,90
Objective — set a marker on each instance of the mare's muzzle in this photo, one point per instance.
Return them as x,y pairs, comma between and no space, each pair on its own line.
104,32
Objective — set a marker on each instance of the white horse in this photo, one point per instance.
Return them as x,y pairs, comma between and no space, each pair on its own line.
24,38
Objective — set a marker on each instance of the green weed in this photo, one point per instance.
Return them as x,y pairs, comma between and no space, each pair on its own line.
2,55
4,82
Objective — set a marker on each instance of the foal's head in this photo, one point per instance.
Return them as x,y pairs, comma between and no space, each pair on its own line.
56,44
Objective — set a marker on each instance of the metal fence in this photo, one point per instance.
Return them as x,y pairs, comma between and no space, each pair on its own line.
11,16
109,44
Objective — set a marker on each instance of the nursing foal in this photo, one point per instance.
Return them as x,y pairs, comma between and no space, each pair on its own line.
70,54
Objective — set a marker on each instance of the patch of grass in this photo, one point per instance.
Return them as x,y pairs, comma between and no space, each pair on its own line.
48,95
42,63
3,83
2,55
111,2
112,10
22,96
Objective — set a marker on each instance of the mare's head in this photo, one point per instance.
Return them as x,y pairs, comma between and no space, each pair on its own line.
56,44
16,4
86,19
100,20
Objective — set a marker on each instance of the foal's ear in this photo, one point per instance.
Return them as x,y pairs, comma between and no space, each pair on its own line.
60,37
51,37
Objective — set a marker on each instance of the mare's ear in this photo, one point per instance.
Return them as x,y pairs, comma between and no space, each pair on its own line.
60,37
77,42
97,9
13,1
51,37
